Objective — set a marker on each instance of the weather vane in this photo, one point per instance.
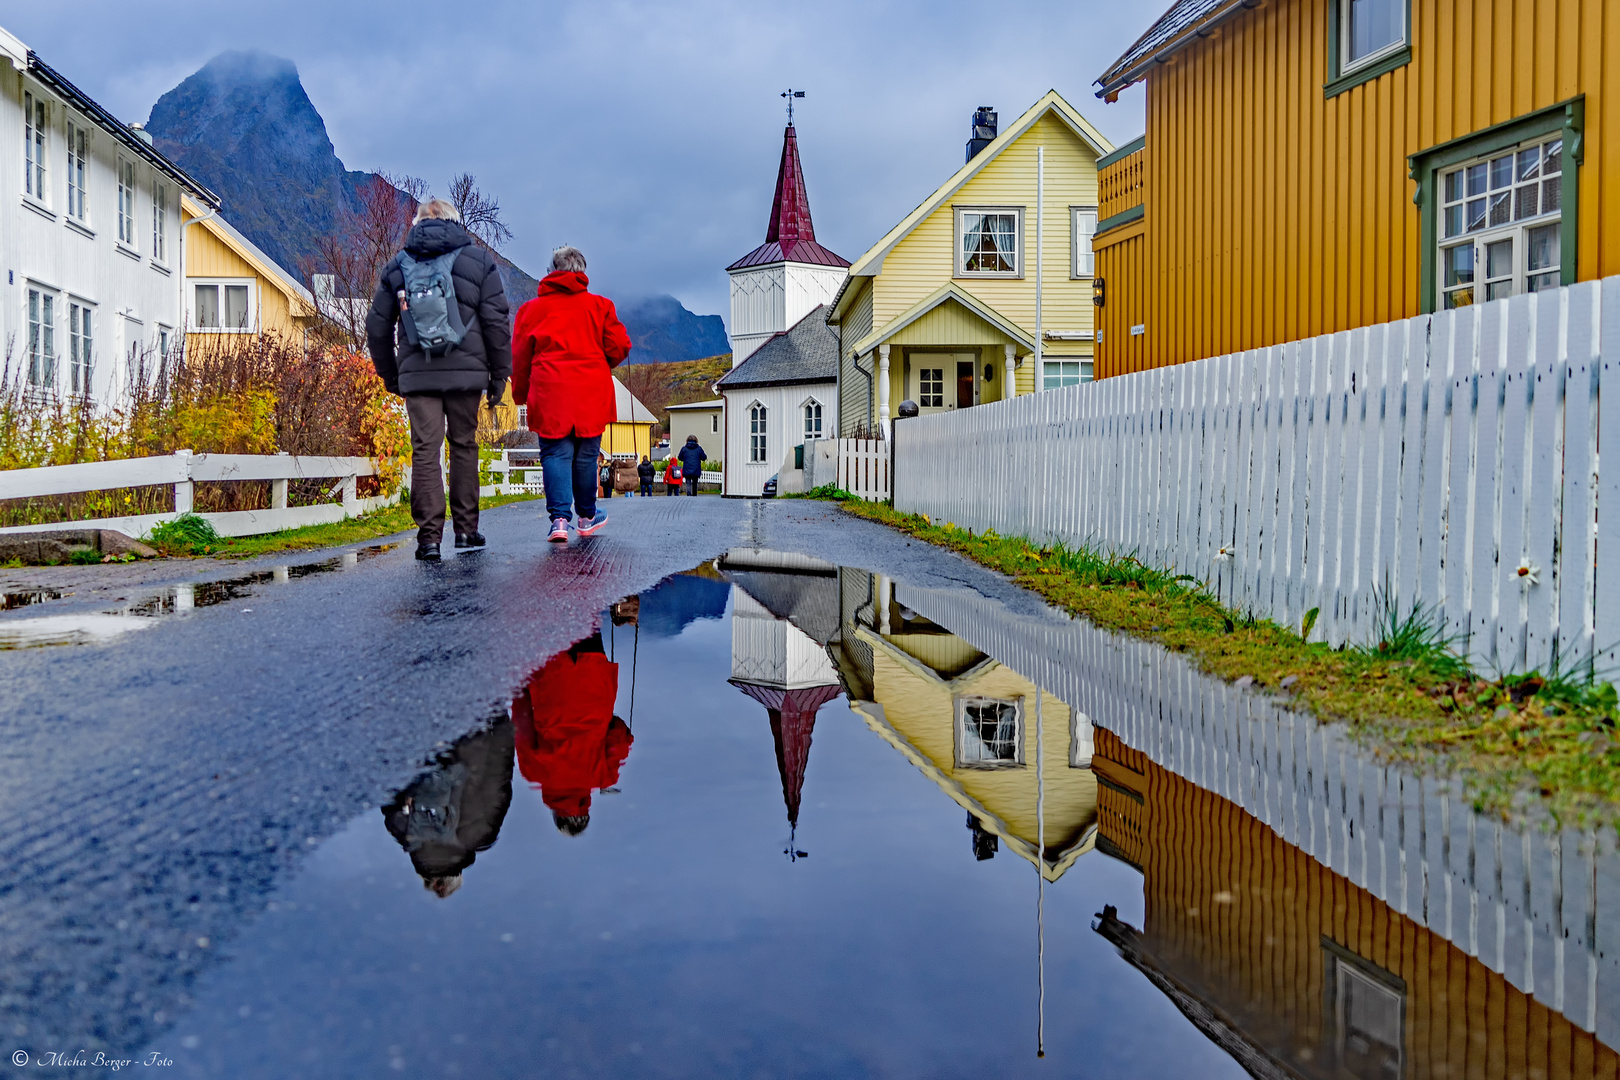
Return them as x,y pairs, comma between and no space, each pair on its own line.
790,94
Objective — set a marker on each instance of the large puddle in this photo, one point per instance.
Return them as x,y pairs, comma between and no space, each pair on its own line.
781,818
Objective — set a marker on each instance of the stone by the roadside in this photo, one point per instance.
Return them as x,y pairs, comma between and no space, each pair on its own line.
1289,681
1246,680
59,545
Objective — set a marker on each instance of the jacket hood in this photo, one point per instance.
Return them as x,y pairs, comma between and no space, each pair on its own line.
431,238
564,281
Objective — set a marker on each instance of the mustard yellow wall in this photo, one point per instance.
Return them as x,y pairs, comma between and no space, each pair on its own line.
628,439
207,256
923,711
1122,266
1274,213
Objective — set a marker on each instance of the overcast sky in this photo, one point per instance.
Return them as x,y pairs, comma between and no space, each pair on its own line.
647,134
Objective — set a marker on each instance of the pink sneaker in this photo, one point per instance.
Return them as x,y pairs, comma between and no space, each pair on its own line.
593,526
559,531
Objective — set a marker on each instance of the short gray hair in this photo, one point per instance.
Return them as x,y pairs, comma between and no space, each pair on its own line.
568,258
443,209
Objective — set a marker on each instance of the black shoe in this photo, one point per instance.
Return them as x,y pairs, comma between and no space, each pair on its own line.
469,540
427,552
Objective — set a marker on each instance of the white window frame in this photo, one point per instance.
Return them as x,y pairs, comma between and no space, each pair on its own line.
39,317
1346,64
959,257
814,427
1458,200
36,147
78,172
252,326
924,383
714,423
164,341
127,230
966,756
160,221
759,433
81,345
1082,371
1082,227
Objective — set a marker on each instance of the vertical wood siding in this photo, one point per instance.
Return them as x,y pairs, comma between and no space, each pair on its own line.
1276,214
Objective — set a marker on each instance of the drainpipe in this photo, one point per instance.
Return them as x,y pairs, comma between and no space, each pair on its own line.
856,360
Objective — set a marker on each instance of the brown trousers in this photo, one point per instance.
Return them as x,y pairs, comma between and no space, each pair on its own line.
430,415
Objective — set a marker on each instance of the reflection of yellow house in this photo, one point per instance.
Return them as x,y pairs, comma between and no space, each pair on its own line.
972,726
234,288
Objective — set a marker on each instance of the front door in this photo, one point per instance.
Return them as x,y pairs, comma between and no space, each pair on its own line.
939,382
965,397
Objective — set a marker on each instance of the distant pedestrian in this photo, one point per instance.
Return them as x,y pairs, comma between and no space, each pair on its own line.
692,459
672,475
604,475
564,348
645,473
440,336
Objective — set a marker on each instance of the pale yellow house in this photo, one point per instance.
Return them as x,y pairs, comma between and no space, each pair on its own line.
952,307
234,288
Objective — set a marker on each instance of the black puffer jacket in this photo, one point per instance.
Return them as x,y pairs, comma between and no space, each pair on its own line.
483,360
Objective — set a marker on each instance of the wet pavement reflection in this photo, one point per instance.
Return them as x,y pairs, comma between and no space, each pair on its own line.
723,835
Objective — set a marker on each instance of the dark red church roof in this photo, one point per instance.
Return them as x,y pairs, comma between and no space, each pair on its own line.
790,237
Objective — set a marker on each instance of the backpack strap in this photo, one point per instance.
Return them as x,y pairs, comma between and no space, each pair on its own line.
447,263
408,323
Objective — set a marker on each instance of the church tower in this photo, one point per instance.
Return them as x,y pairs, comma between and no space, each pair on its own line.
786,277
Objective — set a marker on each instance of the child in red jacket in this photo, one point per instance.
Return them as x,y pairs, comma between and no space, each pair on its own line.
569,743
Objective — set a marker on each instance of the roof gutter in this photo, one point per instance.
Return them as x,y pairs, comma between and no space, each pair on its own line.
1115,79
50,77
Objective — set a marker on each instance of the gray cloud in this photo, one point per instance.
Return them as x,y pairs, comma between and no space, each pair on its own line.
647,134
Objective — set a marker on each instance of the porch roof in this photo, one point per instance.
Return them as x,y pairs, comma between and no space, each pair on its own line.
1001,330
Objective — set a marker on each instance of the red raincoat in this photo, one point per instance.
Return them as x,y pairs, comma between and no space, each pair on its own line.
565,344
568,740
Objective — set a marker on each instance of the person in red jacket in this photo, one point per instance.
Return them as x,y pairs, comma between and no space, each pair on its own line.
565,345
569,743
672,476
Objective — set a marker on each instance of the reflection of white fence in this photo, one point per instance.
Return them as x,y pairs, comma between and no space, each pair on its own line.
1540,907
863,468
1448,460
182,471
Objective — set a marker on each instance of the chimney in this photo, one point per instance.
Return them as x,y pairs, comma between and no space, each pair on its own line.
141,133
984,130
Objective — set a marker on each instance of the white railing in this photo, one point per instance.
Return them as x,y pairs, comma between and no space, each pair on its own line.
863,468
1448,460
182,471
524,465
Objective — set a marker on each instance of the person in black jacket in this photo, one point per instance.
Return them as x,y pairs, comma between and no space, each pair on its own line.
454,811
692,459
645,473
441,391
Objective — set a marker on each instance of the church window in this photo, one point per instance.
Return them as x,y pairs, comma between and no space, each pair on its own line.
812,420
756,432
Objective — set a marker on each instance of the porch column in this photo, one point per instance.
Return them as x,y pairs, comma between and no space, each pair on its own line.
883,390
1010,387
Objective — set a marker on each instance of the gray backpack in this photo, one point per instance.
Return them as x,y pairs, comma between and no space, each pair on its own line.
427,303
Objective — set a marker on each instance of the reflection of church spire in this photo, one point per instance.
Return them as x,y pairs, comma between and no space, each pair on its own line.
793,720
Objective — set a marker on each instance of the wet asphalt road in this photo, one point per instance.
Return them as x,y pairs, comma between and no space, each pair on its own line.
156,788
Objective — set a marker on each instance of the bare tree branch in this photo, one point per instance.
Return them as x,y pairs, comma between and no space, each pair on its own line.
343,273
480,213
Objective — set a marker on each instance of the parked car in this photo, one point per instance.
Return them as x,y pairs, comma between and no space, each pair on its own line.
770,488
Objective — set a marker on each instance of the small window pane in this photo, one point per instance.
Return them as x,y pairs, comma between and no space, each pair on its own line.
1502,170
1454,220
1476,215
1502,208
1460,298
931,388
1552,160
1542,247
1498,290
1530,163
1552,195
1527,203
1374,25
1454,186
1499,259
1538,282
1459,263
208,306
1476,179
236,307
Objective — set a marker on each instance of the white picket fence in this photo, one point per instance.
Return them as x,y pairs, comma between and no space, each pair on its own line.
1449,460
863,468
183,470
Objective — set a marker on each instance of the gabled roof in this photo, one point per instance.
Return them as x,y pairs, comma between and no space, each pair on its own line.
629,409
945,294
790,236
716,403
871,263
1184,23
806,352
249,252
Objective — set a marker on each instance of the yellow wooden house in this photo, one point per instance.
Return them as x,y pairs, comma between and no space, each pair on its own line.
1312,166
234,288
951,307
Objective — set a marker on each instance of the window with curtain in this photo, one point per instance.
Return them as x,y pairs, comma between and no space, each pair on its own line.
988,240
1083,226
756,432
222,306
989,732
1501,224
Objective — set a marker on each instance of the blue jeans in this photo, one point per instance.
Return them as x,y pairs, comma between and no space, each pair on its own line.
568,465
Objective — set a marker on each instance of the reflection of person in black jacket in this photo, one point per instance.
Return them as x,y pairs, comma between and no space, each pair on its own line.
455,811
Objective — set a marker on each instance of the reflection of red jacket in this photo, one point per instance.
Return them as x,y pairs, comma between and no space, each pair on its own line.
568,740
565,344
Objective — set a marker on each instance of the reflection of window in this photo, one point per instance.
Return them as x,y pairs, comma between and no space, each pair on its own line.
812,420
1501,224
79,341
1371,28
987,242
931,388
756,432
989,732
1082,225
1366,1008
222,306
41,338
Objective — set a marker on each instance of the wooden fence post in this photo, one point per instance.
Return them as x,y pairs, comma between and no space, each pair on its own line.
184,490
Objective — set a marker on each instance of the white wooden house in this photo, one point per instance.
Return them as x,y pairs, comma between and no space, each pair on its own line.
91,242
783,396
